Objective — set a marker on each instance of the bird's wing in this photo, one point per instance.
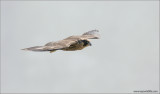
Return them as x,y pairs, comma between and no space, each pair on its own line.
93,34
63,43
43,48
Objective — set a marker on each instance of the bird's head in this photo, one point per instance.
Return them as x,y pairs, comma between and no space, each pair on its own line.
87,43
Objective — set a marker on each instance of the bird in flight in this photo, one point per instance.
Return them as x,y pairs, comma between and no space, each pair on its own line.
72,43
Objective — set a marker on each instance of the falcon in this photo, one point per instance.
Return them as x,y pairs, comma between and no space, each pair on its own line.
72,43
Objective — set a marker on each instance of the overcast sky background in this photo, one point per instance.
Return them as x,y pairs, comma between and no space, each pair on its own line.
123,60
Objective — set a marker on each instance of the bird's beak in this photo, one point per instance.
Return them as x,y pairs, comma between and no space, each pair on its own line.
90,44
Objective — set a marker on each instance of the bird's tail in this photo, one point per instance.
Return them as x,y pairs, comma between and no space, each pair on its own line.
36,48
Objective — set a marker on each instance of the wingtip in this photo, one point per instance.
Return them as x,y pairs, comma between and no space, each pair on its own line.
91,32
96,30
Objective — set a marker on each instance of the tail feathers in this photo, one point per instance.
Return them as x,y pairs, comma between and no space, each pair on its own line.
36,48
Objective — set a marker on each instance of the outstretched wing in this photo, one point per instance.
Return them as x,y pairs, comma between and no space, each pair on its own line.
43,48
93,34
52,46
64,43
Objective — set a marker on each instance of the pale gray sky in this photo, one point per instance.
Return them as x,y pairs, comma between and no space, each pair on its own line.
126,58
